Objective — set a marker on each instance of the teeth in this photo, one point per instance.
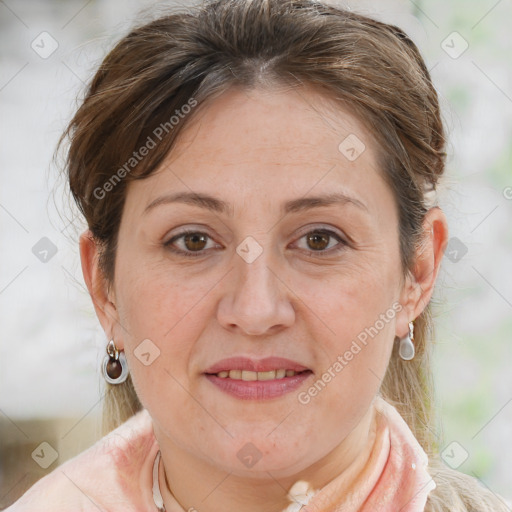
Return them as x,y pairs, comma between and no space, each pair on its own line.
248,375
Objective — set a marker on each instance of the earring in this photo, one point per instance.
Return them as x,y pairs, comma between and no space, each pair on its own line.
115,367
406,350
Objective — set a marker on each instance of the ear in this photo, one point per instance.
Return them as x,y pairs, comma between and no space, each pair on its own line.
97,286
419,285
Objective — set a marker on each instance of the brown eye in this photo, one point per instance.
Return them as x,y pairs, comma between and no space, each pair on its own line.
318,242
195,241
192,244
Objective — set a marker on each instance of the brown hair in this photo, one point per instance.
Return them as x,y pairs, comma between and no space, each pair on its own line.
372,69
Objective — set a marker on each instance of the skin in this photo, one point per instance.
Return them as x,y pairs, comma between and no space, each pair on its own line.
255,150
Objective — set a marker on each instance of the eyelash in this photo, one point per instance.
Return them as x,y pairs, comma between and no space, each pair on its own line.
195,254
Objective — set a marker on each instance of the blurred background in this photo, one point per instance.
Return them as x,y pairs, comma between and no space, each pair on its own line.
51,343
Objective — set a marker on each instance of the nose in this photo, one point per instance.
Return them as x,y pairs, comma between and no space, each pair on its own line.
257,300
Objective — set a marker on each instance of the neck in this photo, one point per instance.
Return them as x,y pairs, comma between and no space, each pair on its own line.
198,485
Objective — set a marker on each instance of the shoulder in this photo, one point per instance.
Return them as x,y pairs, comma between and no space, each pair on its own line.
458,492
450,490
114,472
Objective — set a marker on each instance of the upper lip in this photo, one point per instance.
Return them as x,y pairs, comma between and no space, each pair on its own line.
255,365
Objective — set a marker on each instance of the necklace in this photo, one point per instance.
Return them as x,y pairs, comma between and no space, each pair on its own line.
300,493
157,495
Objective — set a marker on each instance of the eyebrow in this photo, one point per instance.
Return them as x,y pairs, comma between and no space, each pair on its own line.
219,206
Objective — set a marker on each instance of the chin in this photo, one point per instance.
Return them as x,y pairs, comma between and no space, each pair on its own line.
258,458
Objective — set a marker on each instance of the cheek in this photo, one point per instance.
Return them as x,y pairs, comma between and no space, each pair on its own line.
352,301
158,312
159,303
358,319
156,303
354,369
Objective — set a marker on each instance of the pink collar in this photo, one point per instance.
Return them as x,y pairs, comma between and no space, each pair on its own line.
390,475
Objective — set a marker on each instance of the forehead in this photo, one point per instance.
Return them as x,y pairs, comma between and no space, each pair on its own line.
273,144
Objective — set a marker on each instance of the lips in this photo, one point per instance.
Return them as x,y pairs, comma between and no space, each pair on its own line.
255,365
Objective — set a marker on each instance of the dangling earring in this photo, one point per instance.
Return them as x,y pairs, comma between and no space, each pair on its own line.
115,367
406,350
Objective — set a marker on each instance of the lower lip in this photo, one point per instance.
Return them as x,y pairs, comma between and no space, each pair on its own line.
259,389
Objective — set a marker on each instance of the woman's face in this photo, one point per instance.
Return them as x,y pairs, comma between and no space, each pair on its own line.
274,274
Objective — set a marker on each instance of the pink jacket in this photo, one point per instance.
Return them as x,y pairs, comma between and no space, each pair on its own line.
116,474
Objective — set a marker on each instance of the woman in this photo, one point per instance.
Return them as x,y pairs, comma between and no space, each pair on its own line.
258,178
